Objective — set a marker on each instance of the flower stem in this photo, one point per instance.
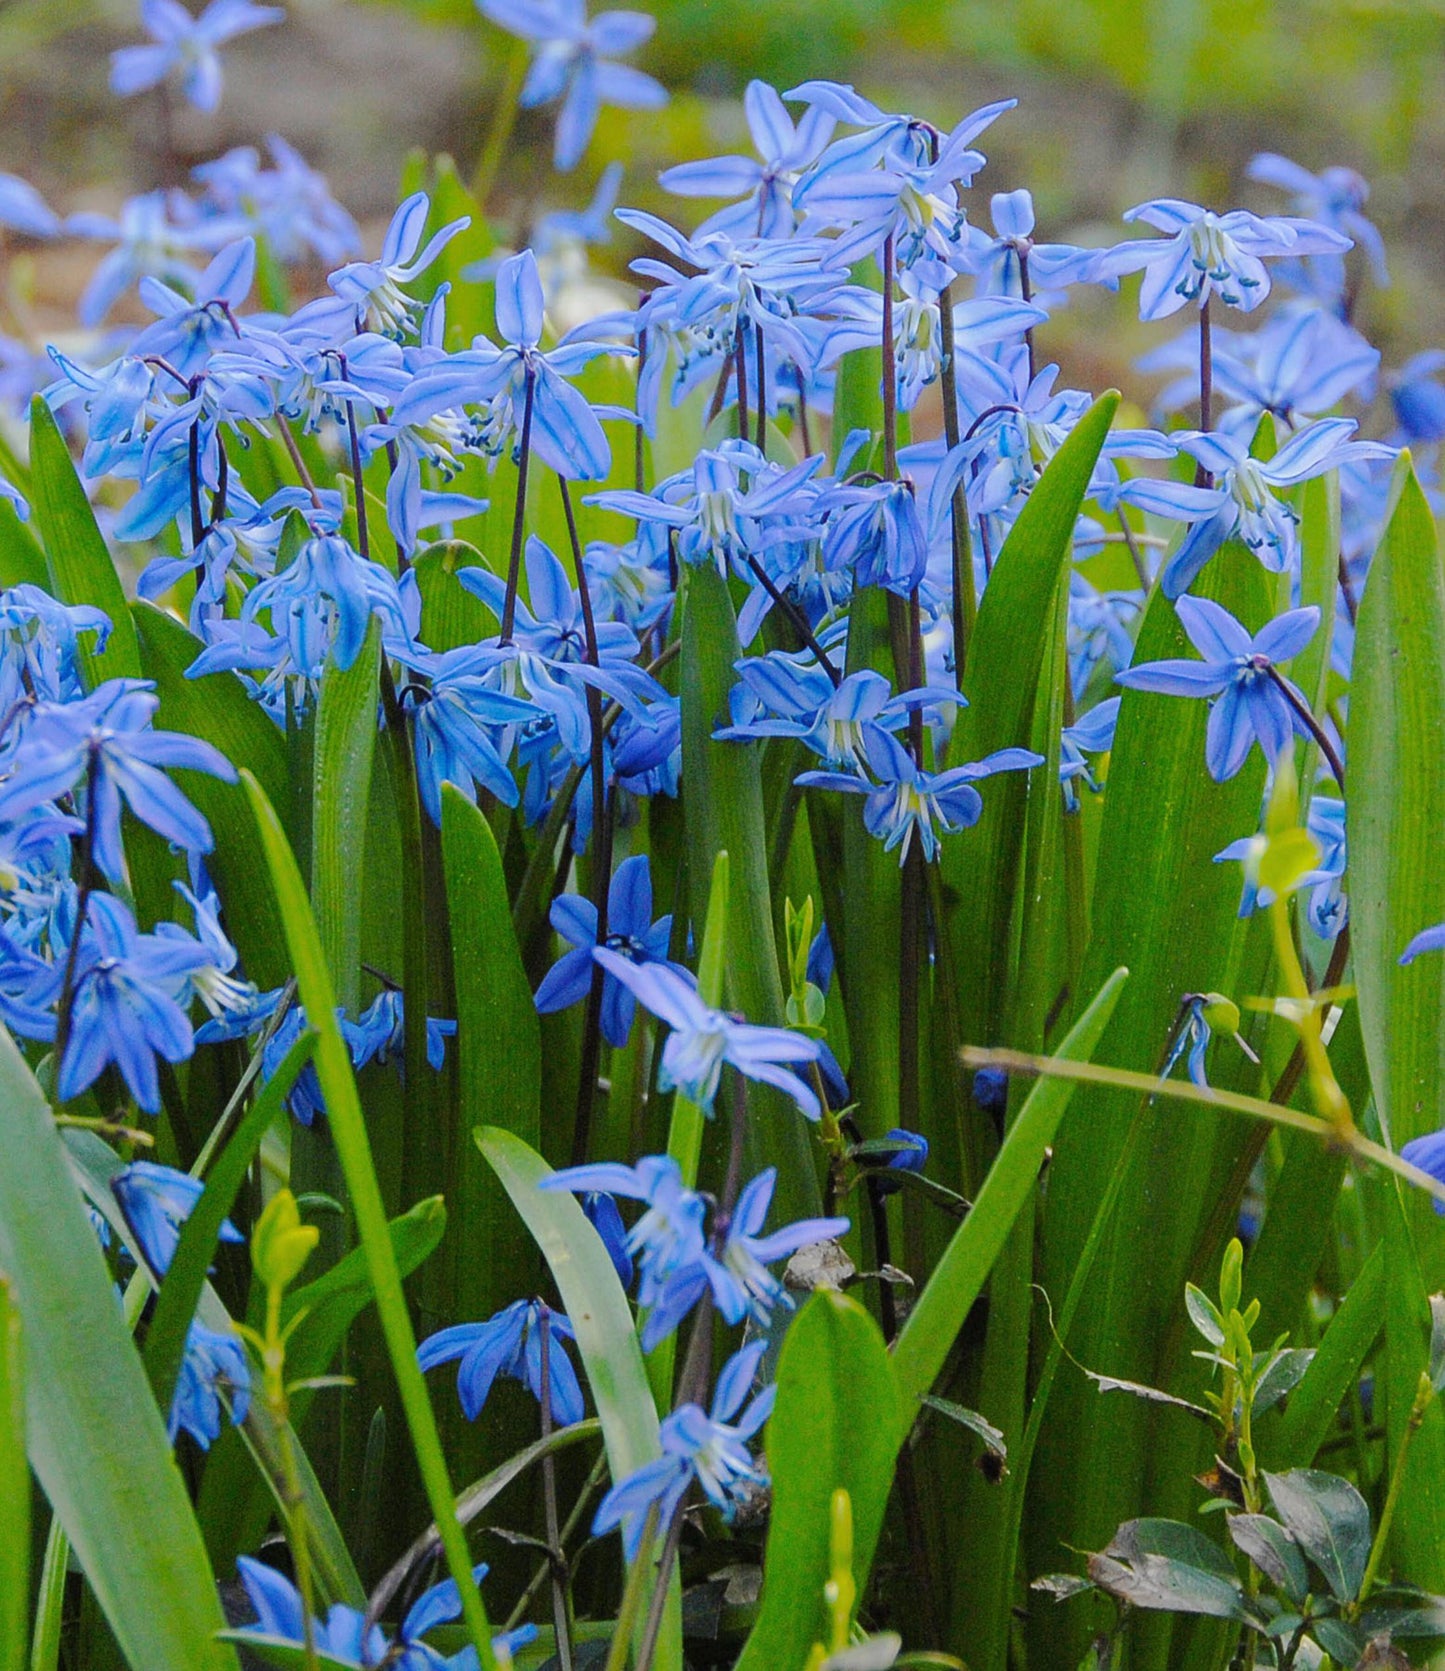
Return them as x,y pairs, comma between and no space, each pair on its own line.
363,533
965,597
740,357
762,388
1424,1396
87,887
1202,477
561,1620
1316,730
519,514
890,376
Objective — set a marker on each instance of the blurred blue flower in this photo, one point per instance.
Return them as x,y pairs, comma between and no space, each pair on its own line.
24,210
156,1202
212,1363
185,45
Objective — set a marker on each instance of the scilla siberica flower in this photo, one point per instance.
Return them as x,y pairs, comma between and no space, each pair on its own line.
903,798
509,1344
103,744
1254,698
156,1201
23,209
1206,255
1427,940
631,933
372,291
343,1636
571,62
704,1445
187,46
210,1361
703,1039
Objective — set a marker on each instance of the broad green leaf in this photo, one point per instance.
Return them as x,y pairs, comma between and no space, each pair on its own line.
21,557
593,1300
1273,1551
1329,1520
451,616
1396,808
724,810
1164,1565
348,1127
341,791
14,1491
1008,656
832,1428
1314,1405
958,1280
95,1437
217,709
285,1655
76,557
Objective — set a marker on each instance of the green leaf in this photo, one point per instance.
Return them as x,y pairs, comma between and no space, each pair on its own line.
348,1127
1008,655
217,709
607,1341
1314,1405
833,1428
76,557
21,558
14,1492
1273,1551
95,1438
724,810
1167,1566
287,1656
1329,1520
341,791
958,1280
186,1277
1396,806
451,616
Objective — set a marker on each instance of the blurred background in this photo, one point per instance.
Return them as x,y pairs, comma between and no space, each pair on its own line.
1120,100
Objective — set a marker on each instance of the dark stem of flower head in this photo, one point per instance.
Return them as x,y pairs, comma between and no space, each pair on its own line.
1202,477
965,598
740,357
519,514
890,375
760,355
363,533
797,617
87,887
639,438
1026,294
601,852
193,456
561,1623
1307,719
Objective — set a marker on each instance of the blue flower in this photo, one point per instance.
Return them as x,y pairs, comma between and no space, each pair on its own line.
911,1155
703,1039
1093,734
24,210
1427,940
343,1635
1253,704
1206,254
1334,197
124,1008
509,1344
571,62
212,1361
103,745
668,1238
903,798
156,1202
1418,400
1242,504
564,430
372,289
1428,1153
147,240
322,604
187,46
1194,1033
603,1216
631,933
290,204
707,1446
187,332
379,1033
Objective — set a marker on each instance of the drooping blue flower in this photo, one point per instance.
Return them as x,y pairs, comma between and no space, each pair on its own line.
911,1155
703,1039
463,727
103,745
1242,672
603,1216
212,1362
343,1635
322,603
147,240
187,332
1092,734
124,1008
668,1239
1243,503
372,290
572,61
1193,1034
904,799
379,1033
1327,907
1205,254
631,933
289,204
1418,400
156,1201
708,1446
187,46
24,210
40,642
509,1344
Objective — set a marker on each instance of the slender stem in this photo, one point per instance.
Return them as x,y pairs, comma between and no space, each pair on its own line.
87,887
720,388
1026,294
740,357
911,904
965,595
1334,974
803,430
639,457
568,1532
1134,552
632,1595
759,354
601,853
890,373
1347,587
561,1620
303,475
1424,1397
798,619
648,1646
193,456
223,482
363,533
1202,477
519,514
1307,719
